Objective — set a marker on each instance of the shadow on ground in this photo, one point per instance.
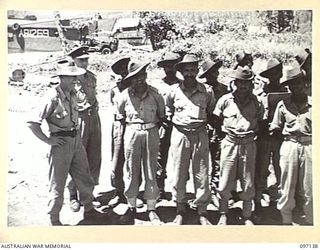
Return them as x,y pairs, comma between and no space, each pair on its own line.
166,209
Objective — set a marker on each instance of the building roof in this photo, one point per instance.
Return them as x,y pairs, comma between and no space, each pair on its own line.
121,23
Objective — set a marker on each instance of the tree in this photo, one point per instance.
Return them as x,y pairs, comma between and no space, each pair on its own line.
277,20
158,27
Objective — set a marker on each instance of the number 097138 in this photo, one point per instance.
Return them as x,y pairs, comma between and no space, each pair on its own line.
308,246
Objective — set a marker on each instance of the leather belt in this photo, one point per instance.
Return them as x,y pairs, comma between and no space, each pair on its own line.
190,131
141,126
240,140
70,133
300,139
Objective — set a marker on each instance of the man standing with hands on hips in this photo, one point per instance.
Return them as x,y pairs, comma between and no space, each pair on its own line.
67,155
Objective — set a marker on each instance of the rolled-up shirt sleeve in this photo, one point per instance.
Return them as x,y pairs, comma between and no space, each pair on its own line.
161,107
169,100
218,110
278,118
44,109
120,107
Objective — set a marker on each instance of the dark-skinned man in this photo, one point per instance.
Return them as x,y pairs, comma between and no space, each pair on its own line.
268,146
167,64
240,112
210,72
120,67
188,104
294,118
142,109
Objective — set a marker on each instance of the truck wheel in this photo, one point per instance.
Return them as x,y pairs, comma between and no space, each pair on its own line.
106,51
16,27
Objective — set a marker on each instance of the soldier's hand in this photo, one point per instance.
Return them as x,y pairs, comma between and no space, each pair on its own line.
56,141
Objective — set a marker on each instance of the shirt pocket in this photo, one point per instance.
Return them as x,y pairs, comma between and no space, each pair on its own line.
149,113
60,111
230,117
131,113
290,119
201,107
179,106
229,112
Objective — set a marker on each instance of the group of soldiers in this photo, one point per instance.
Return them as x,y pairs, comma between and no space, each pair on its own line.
229,134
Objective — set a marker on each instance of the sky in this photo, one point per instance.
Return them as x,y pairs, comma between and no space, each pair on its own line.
48,14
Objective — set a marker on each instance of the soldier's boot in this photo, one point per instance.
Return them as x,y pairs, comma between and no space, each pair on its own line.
223,220
74,203
55,220
128,217
203,218
154,218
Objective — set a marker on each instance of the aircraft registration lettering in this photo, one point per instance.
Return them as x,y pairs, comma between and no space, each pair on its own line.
35,32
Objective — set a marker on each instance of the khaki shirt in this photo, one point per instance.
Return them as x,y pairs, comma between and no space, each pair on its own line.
86,91
189,110
114,94
147,109
60,112
239,120
294,121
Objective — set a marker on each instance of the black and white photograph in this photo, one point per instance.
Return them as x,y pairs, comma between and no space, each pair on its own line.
160,118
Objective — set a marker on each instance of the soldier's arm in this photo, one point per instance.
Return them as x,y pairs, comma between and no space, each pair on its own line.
160,107
45,109
215,118
120,113
278,119
169,108
161,111
211,103
262,118
37,131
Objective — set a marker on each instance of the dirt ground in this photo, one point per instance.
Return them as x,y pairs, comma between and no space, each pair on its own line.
27,175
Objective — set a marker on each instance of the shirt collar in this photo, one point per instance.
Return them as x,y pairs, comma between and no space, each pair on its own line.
250,96
62,94
170,81
132,92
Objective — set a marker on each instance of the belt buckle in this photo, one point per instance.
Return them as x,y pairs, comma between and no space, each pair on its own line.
143,126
